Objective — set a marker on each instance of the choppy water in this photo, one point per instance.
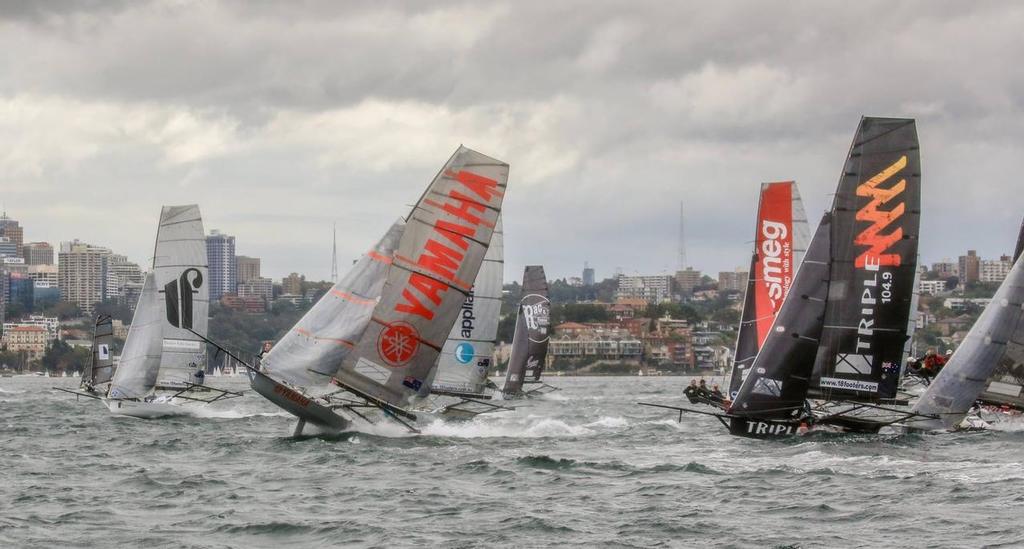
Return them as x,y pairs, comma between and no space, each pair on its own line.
585,468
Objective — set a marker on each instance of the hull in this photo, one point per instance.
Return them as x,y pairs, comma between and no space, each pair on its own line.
295,403
145,410
763,428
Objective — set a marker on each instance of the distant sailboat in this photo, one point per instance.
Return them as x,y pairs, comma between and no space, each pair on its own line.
530,340
165,338
100,370
988,367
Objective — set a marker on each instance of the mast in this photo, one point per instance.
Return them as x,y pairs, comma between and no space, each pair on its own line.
442,247
780,241
467,356
312,351
876,220
530,342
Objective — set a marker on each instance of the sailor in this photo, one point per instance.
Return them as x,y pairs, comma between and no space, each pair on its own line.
716,394
199,376
933,363
691,391
702,389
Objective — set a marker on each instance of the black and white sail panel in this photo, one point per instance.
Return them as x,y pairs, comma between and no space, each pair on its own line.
989,362
312,351
467,354
137,371
182,281
444,243
780,241
875,226
778,380
101,369
530,341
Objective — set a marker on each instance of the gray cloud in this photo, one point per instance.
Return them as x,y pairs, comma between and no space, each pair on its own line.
279,118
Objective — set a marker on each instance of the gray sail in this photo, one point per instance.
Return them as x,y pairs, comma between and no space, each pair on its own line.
530,341
101,369
312,351
469,351
438,258
180,269
990,360
136,374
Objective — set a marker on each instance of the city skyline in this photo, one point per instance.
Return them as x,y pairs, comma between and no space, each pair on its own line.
607,123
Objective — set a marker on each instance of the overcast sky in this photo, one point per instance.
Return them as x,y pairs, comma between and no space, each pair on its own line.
280,118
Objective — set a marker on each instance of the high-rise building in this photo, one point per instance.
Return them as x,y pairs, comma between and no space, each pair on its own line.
123,274
994,270
945,268
588,275
970,267
8,248
9,228
43,273
653,289
257,287
83,275
732,281
248,269
687,280
20,290
38,253
292,284
220,255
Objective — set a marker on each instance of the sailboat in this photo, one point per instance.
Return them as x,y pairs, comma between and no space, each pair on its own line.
988,366
780,242
841,333
100,370
460,389
530,340
387,332
164,355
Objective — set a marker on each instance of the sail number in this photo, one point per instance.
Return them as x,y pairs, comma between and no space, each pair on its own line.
886,287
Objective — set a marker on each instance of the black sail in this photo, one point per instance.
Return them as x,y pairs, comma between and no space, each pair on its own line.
530,342
746,340
778,380
875,226
101,369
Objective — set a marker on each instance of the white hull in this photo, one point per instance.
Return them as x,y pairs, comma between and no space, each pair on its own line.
146,410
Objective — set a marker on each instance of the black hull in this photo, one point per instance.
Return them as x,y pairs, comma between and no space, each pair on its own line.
763,428
853,424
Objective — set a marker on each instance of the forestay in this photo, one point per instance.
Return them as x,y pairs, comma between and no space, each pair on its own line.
101,369
875,225
182,282
530,341
136,374
438,257
312,351
780,241
778,380
466,358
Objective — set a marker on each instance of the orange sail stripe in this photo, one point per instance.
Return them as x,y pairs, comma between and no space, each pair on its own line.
339,341
375,255
353,298
454,282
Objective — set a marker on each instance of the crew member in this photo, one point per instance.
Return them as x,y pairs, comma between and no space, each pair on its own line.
716,395
933,363
691,391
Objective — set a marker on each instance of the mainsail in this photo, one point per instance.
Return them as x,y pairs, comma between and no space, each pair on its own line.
136,374
467,354
101,369
309,354
530,341
777,383
875,224
439,255
180,269
780,241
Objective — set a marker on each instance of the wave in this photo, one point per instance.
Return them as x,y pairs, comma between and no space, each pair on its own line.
531,428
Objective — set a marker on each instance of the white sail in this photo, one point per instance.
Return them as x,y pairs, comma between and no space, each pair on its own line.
438,258
312,351
180,268
469,351
136,375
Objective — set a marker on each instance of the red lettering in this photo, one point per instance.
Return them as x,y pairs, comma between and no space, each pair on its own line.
413,305
429,287
454,232
484,187
462,210
440,259
871,237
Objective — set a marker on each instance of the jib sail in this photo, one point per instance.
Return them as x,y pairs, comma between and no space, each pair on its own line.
777,384
438,257
136,374
182,283
467,354
101,369
312,351
530,341
780,241
875,225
